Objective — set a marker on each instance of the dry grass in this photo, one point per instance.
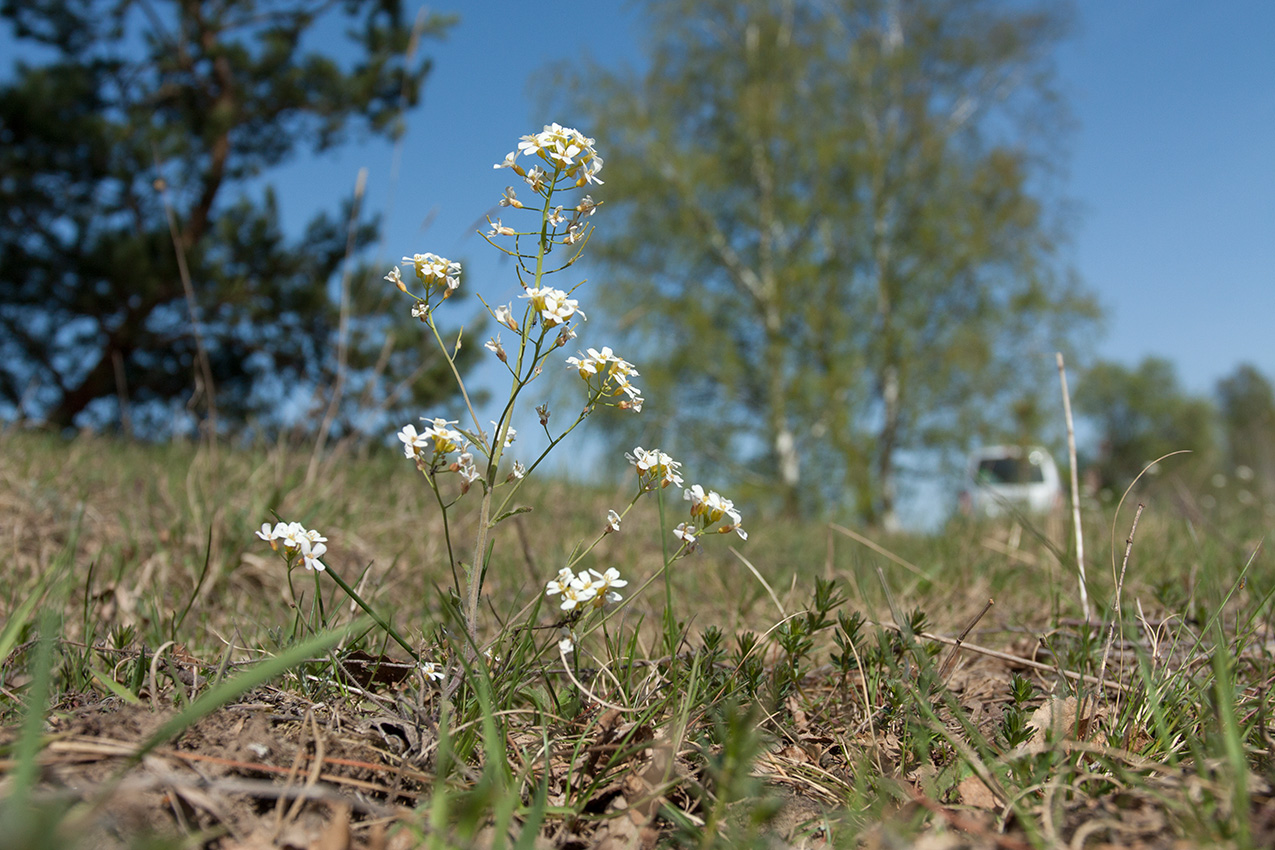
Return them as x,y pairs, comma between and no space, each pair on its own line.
821,728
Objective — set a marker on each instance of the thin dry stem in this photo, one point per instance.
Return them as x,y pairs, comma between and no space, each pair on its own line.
1115,614
1075,489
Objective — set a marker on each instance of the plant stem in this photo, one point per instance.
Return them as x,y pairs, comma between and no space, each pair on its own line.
380,621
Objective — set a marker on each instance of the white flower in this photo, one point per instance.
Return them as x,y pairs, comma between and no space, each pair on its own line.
566,149
464,467
710,508
602,584
613,522
566,645
535,178
686,532
553,305
432,671
655,468
435,271
271,533
493,345
498,229
310,554
561,583
413,442
518,472
312,536
446,439
586,366
571,597
585,584
396,278
504,315
509,161
292,539
509,199
294,534
510,433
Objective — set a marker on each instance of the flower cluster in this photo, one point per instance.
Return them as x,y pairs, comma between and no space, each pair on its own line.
707,510
436,441
586,587
553,305
655,469
566,150
607,376
437,274
291,539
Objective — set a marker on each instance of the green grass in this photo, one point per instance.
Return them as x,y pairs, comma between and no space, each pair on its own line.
820,696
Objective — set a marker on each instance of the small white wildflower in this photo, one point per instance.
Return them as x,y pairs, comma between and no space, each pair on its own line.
566,645
509,199
561,583
504,315
566,149
396,278
686,532
446,439
436,272
655,468
464,467
573,596
553,305
414,443
498,229
432,671
603,584
710,508
613,522
535,178
270,533
510,434
310,554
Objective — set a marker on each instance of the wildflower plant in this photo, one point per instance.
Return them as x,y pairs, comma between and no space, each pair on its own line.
549,235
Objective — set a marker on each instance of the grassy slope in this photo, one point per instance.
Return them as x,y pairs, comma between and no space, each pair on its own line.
868,734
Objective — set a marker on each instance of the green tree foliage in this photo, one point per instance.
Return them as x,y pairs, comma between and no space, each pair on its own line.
1246,405
133,137
1141,415
836,223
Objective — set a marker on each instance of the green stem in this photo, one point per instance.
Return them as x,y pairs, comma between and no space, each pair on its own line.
380,621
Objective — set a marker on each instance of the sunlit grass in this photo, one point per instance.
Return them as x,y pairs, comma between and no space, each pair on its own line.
762,701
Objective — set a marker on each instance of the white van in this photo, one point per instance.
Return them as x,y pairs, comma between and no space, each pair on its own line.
1008,480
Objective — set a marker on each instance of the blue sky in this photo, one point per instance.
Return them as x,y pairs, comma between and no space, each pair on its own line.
1172,162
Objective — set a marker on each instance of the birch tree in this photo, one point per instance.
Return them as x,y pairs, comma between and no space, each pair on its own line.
840,222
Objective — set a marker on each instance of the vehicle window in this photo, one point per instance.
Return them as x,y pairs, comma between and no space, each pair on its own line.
1009,470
